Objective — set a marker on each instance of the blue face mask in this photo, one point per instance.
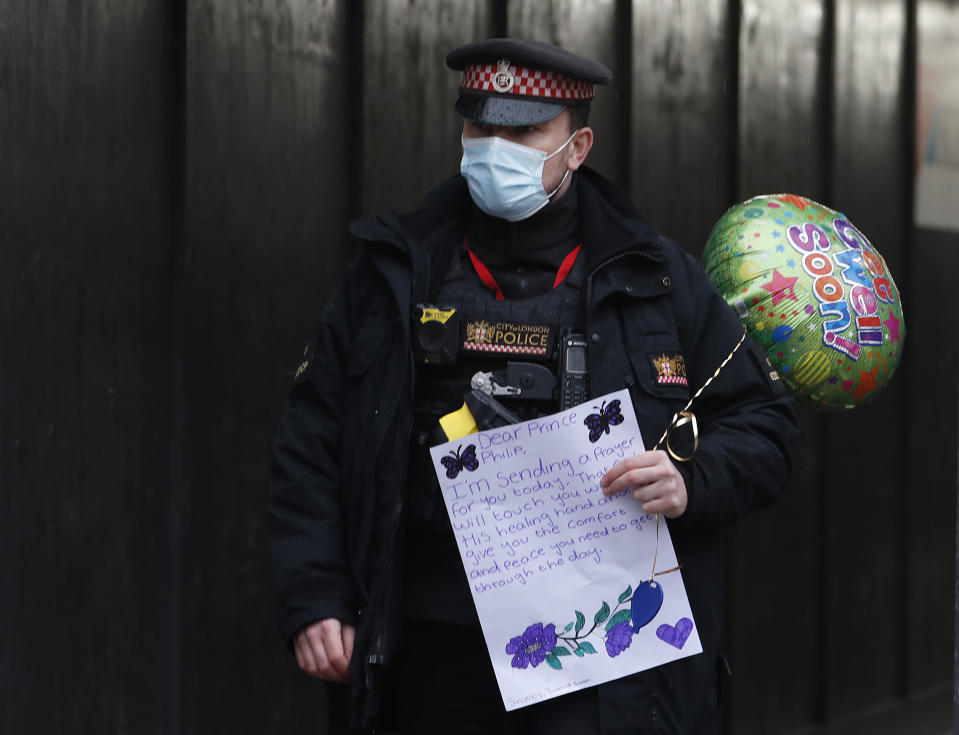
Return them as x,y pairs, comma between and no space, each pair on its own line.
505,178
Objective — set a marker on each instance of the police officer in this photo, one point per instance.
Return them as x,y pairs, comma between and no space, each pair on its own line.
473,296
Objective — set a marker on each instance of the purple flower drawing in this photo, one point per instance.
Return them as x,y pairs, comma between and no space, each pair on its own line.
618,638
615,626
532,646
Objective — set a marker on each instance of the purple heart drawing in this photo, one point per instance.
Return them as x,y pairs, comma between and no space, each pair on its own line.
675,636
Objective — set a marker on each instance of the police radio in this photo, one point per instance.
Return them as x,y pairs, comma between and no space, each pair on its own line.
573,369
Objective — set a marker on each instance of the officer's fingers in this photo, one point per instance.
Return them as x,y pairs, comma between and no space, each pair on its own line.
630,480
671,505
667,496
316,640
337,662
615,473
349,633
300,661
304,655
638,479
656,459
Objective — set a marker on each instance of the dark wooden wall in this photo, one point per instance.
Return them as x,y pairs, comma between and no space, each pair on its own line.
86,620
175,178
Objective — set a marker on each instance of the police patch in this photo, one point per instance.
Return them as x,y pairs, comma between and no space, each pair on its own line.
508,338
670,369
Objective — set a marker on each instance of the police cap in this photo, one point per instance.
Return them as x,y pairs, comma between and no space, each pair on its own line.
509,81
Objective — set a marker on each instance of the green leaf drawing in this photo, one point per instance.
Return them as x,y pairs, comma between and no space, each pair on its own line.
587,647
553,661
580,621
568,628
602,614
579,652
625,596
622,616
560,651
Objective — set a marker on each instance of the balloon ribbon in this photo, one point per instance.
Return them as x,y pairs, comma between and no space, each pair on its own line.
685,416
681,418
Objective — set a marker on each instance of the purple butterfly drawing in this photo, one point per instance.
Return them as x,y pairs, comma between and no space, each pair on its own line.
599,423
457,460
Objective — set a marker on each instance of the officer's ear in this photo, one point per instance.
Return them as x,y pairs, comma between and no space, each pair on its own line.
579,148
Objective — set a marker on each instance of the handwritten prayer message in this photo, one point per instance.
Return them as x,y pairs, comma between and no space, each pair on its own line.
563,577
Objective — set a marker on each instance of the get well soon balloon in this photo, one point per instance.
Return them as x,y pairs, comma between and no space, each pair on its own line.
813,291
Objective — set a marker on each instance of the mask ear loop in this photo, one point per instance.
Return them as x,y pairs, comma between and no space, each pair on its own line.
568,172
559,186
562,146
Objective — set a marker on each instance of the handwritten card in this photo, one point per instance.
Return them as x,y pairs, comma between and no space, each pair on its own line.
563,577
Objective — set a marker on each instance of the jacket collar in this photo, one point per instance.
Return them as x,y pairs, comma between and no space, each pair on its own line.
613,228
612,225
442,215
421,237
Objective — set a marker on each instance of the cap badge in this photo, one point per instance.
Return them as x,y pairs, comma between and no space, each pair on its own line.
503,78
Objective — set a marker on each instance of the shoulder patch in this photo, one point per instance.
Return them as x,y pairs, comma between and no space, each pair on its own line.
670,368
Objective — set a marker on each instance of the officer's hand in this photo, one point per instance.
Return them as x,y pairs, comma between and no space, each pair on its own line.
654,481
324,648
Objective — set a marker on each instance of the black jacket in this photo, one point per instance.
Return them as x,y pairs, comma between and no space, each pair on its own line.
342,444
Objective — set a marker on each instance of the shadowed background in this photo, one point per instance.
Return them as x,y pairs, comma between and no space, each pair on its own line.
175,179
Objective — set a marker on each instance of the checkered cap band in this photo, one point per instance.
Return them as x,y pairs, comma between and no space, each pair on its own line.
507,349
528,83
671,380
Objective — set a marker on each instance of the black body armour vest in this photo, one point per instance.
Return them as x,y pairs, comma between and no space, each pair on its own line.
490,334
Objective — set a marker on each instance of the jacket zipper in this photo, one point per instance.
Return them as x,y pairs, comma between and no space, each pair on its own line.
606,263
620,256
372,656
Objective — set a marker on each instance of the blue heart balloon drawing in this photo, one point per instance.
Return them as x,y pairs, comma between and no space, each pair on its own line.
646,603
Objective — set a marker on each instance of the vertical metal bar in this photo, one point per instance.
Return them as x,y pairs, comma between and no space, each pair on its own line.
732,158
906,232
623,89
176,131
355,128
731,84
932,360
825,547
499,13
825,108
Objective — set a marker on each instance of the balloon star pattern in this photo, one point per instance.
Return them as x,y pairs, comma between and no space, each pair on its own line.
813,291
